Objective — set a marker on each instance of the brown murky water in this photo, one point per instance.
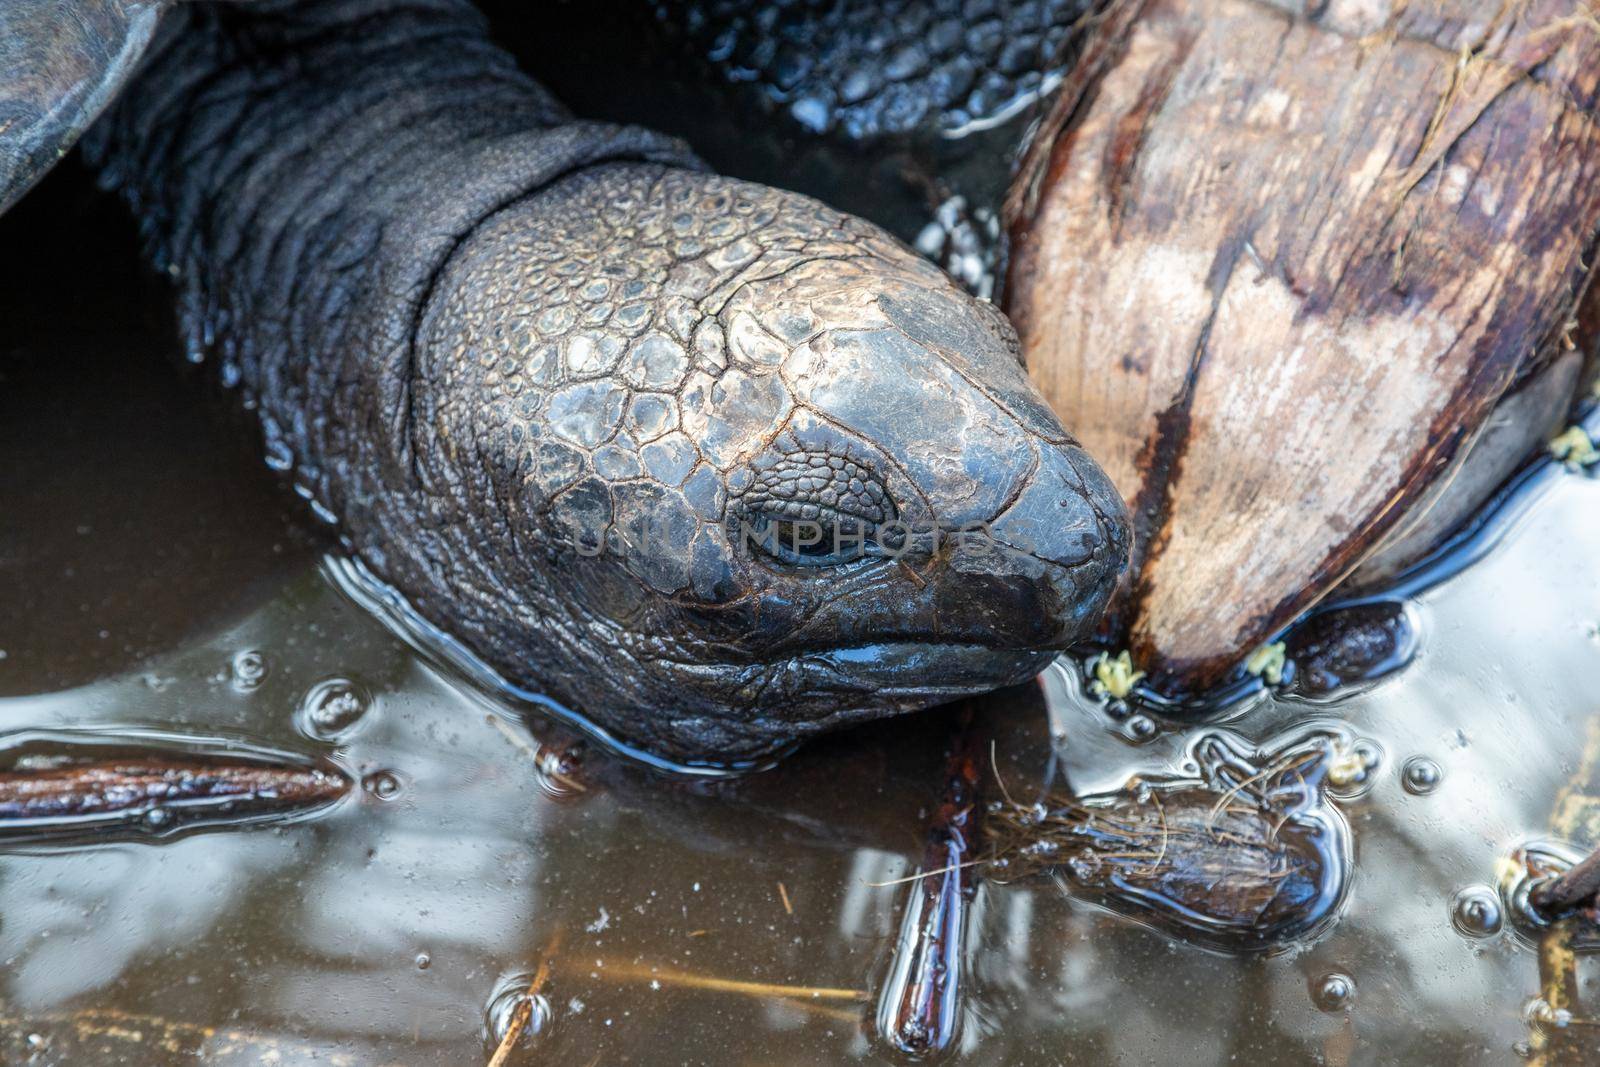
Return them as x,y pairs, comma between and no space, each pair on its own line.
145,553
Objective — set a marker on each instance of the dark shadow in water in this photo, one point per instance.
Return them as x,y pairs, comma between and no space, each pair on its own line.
96,411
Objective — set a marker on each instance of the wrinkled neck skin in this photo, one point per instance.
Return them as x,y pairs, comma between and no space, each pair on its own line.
539,371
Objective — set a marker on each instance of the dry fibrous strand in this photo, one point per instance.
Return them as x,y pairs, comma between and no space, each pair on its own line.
1245,855
56,797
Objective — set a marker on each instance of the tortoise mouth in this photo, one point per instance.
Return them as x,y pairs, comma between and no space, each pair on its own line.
911,668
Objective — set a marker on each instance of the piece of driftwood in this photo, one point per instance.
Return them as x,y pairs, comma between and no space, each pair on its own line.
1277,264
156,793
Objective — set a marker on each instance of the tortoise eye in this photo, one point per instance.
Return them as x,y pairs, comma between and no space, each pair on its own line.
828,540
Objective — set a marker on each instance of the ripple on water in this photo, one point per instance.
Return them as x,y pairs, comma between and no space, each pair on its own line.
1420,776
1475,911
333,709
248,669
509,997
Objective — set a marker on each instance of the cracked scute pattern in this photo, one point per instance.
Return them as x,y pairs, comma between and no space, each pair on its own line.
614,372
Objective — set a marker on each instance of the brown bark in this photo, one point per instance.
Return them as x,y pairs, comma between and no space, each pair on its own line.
48,800
1275,269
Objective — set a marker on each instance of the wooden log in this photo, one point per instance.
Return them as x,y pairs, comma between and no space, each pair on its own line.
1277,264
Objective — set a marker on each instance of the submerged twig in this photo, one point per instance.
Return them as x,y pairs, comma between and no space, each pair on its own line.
549,762
1576,888
139,1037
919,1010
522,1015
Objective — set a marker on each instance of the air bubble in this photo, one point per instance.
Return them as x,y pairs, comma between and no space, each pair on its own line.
157,819
333,709
385,785
510,994
1141,728
1333,992
424,961
1476,912
1085,866
1420,776
248,669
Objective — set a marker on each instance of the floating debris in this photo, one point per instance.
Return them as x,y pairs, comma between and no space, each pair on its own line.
1420,776
1246,854
1267,663
1574,448
82,785
1351,770
556,767
333,710
383,784
248,669
518,1009
1113,676
1476,912
1334,992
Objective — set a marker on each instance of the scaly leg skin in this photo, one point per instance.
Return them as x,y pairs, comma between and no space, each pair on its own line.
634,433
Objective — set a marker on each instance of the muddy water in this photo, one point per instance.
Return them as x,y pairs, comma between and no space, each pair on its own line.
151,575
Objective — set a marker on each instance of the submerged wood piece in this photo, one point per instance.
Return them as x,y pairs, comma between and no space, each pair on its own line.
1276,266
67,797
1577,887
919,1009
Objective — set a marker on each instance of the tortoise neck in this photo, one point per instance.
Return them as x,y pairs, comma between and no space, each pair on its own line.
303,171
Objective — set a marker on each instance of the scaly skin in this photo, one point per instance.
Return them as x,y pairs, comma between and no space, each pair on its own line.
892,67
547,375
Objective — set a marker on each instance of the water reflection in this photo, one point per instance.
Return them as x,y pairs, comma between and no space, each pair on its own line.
699,921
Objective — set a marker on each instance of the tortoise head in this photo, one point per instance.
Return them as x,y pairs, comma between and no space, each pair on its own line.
746,468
